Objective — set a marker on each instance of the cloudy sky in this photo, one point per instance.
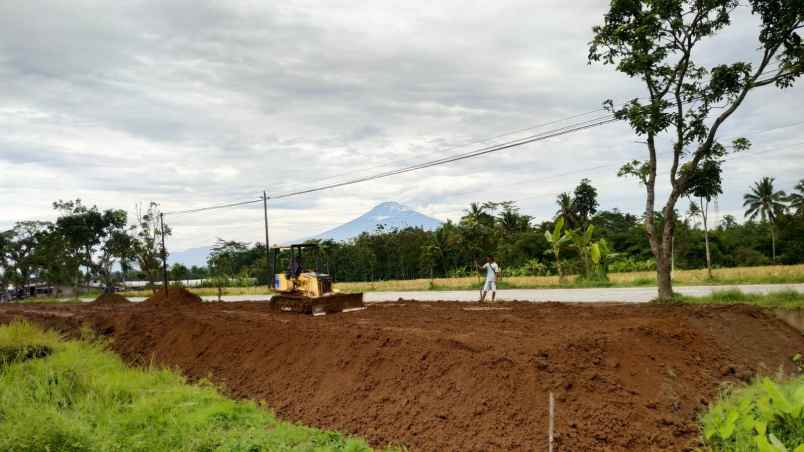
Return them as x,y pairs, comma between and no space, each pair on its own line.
192,103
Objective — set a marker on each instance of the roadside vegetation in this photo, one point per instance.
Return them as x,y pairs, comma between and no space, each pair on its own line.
77,396
783,299
765,416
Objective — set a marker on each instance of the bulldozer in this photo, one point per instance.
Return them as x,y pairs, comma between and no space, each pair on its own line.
306,290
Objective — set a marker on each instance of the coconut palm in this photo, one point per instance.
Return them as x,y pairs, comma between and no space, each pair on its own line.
765,202
566,209
796,200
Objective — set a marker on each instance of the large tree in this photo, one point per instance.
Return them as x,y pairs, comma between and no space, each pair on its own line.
767,203
98,237
655,41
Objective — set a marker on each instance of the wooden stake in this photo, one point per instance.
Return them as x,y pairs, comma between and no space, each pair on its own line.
551,424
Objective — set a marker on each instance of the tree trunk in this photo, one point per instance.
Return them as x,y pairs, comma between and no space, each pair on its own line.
773,242
706,240
663,279
560,273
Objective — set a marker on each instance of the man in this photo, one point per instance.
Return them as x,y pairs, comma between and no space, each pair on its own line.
492,272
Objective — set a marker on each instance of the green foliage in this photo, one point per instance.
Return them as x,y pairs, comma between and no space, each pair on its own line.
84,398
788,299
765,416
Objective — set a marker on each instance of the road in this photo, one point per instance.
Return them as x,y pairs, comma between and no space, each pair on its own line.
619,294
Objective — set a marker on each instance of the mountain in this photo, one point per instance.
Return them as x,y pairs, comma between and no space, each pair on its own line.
388,214
190,257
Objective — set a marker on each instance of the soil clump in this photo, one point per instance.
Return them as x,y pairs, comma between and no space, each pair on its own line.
175,296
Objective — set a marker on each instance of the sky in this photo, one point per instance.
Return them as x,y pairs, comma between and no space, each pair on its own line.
197,103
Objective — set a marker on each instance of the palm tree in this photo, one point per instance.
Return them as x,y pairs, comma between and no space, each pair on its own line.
566,209
796,200
766,203
474,214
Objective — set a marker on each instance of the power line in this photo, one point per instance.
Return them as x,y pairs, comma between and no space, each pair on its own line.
222,206
477,153
595,122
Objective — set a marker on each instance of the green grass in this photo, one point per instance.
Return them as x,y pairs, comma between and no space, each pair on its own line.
82,397
782,299
765,416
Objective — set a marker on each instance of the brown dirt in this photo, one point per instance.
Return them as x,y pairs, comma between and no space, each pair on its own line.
449,376
175,296
111,298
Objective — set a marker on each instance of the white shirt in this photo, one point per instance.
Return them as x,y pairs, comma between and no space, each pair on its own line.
491,271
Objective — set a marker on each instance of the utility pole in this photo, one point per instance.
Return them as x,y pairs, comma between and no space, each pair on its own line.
267,243
164,253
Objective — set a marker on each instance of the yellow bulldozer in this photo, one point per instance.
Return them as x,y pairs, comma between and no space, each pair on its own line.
304,289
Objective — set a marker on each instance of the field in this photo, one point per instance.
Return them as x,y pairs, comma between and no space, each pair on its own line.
459,376
738,275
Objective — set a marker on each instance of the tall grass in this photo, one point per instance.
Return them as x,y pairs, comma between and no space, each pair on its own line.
785,299
84,398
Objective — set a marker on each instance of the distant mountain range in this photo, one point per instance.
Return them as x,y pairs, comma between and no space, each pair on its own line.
388,214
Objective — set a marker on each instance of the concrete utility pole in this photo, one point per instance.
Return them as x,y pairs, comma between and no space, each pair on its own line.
164,253
267,243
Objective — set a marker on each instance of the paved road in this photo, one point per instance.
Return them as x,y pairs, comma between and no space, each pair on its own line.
620,294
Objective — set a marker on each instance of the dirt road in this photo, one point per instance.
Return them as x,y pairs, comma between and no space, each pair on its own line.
459,376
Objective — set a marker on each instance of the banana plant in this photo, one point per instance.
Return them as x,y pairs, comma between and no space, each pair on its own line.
556,240
583,243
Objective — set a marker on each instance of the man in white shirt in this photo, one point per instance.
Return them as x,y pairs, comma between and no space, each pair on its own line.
492,271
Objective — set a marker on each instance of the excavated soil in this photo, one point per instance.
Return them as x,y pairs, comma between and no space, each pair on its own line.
111,298
175,296
459,376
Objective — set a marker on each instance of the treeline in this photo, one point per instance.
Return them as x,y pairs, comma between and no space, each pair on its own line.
523,247
84,243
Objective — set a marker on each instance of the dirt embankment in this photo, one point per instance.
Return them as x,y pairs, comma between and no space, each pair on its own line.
457,376
111,298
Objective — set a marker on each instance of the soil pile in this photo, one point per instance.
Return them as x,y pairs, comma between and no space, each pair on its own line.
111,298
448,376
176,296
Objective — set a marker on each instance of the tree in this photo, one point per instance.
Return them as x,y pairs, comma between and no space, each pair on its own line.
147,239
654,42
21,243
765,202
179,272
566,210
705,184
556,240
796,200
98,238
584,203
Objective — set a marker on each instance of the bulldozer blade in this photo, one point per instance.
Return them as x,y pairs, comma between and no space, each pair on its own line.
327,304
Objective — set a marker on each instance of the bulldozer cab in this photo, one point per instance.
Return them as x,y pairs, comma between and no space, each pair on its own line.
302,270
302,288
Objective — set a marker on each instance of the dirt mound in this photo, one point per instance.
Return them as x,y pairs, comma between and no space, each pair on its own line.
111,298
438,376
176,296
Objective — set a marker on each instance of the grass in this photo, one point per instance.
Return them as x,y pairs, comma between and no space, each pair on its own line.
82,397
764,416
782,299
772,274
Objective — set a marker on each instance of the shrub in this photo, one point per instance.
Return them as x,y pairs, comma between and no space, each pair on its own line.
630,264
764,416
